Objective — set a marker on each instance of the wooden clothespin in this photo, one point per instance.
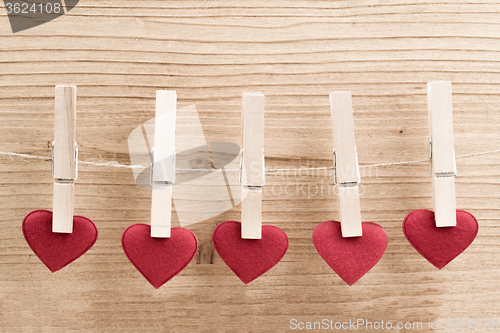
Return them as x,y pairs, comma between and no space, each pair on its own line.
64,159
443,167
252,165
347,175
163,163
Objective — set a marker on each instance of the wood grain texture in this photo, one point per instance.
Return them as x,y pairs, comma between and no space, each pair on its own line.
252,164
64,156
65,167
119,53
443,164
347,174
163,163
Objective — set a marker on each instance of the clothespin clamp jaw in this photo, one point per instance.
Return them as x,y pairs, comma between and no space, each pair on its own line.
442,153
63,209
252,165
64,158
163,160
345,161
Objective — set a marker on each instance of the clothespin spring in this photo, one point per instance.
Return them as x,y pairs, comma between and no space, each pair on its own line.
60,180
172,175
240,177
335,172
438,175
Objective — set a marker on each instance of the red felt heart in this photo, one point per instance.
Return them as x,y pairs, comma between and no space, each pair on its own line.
439,245
350,257
249,258
57,250
159,259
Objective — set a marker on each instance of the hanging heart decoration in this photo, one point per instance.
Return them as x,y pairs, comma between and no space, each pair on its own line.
350,257
249,258
439,245
57,250
159,259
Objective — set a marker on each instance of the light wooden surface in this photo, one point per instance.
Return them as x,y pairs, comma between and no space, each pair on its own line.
64,155
346,160
161,211
253,165
63,207
295,53
65,167
251,213
252,123
443,164
347,175
163,164
349,211
439,99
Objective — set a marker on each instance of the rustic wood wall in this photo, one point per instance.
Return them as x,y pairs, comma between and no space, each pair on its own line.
119,53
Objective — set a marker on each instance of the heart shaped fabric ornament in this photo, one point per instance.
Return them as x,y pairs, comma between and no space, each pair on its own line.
159,259
350,257
439,245
249,258
56,250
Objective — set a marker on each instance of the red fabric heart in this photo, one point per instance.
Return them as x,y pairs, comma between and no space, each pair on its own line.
439,245
57,250
159,259
350,257
249,258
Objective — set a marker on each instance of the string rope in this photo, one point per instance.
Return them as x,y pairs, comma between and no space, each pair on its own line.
114,164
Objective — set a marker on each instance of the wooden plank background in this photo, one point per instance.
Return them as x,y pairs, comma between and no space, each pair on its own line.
120,52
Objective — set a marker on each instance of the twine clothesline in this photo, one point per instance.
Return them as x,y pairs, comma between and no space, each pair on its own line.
114,164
